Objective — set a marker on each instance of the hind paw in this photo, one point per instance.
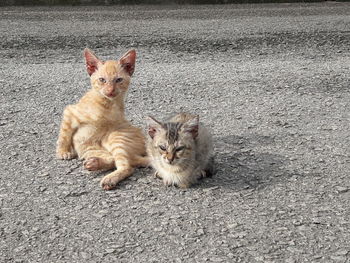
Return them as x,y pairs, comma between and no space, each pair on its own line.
202,174
92,164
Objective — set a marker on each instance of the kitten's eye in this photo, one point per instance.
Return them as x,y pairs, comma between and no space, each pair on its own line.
118,80
162,147
180,148
103,80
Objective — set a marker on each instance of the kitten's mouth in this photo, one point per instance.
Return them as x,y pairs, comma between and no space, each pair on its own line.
110,95
170,162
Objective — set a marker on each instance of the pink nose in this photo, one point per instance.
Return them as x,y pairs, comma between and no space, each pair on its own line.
110,91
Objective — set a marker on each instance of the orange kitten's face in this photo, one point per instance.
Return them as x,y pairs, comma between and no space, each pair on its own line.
110,79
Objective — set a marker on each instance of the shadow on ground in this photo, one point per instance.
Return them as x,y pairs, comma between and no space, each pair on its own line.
238,166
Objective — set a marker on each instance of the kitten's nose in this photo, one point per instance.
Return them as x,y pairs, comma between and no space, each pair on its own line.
110,88
110,91
169,159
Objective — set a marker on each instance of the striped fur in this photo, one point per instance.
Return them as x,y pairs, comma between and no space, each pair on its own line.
95,129
179,149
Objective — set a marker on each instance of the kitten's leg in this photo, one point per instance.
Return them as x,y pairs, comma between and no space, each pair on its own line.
142,161
98,160
98,164
127,151
124,170
69,125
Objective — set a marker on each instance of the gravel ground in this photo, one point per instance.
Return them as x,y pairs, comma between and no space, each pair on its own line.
272,82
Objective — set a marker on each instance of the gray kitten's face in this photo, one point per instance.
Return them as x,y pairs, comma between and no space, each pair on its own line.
172,152
172,143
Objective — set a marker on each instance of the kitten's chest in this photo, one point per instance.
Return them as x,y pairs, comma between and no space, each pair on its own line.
171,170
94,132
97,122
103,116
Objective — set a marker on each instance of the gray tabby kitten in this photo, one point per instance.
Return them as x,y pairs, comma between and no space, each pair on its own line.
180,149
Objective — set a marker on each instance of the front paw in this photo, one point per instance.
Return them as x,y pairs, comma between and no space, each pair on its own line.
157,175
63,154
168,182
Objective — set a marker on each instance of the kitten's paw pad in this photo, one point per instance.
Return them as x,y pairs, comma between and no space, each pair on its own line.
108,183
65,155
92,164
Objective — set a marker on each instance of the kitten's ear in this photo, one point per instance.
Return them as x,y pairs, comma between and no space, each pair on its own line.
128,61
92,62
191,126
153,126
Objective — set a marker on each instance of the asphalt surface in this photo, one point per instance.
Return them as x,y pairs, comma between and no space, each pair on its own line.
272,83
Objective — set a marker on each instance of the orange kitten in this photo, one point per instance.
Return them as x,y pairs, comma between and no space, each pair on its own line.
95,129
